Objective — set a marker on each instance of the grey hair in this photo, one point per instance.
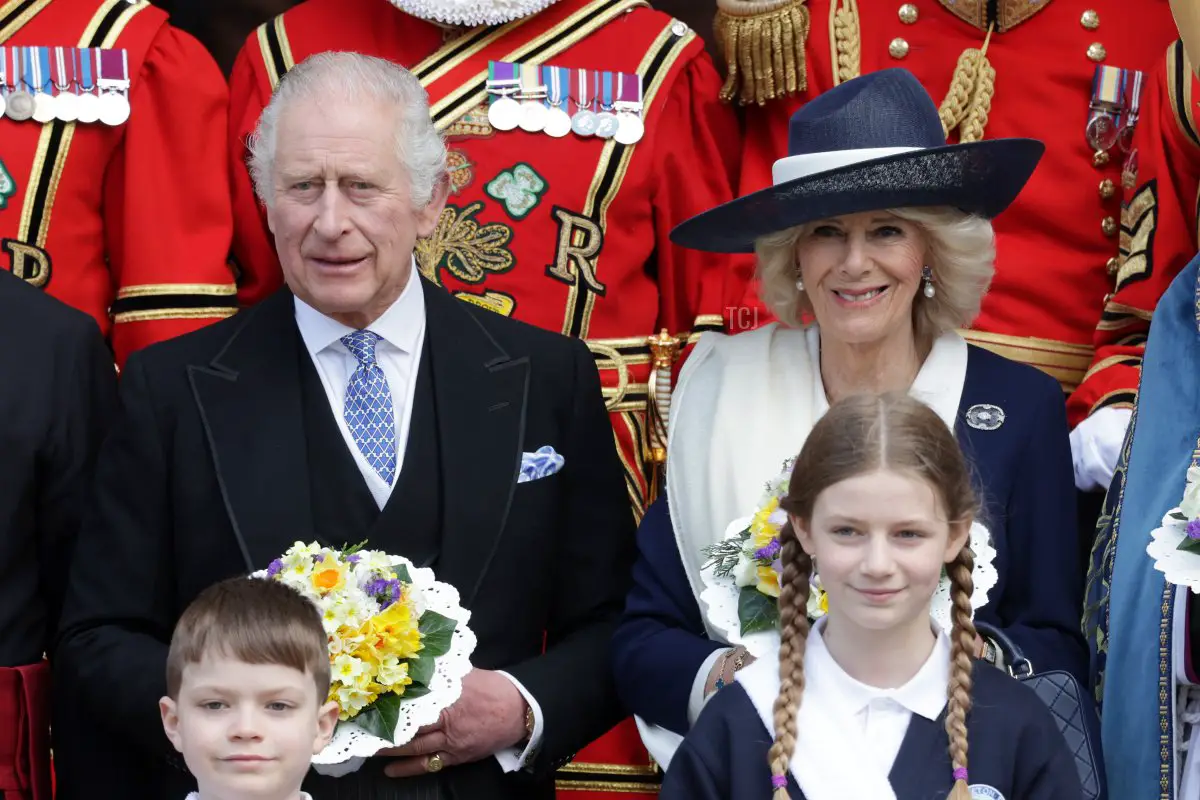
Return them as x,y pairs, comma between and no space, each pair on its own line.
961,254
352,76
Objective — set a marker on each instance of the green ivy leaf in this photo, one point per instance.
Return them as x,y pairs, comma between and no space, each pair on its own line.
381,717
402,573
436,632
420,669
1189,545
756,611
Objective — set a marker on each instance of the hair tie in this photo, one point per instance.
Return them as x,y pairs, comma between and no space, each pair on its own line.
779,781
960,774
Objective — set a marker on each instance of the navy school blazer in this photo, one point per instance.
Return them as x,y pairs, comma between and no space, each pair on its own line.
1025,484
1014,747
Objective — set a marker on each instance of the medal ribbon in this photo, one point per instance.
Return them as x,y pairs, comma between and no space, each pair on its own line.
86,82
41,73
584,97
531,85
4,70
63,73
1107,106
1131,79
555,79
606,99
502,78
114,69
28,67
629,92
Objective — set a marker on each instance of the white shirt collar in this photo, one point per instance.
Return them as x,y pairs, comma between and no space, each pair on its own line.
924,694
301,796
399,326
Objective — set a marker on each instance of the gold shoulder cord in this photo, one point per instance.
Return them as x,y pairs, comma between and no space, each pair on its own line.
763,43
967,104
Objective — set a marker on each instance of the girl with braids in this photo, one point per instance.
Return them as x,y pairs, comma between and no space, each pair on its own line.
874,702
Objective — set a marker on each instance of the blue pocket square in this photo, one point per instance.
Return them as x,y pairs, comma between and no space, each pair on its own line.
542,464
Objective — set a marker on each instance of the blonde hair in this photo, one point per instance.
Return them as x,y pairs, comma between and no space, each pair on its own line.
857,435
254,621
961,255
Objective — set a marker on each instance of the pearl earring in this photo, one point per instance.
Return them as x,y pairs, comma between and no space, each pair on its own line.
927,276
799,284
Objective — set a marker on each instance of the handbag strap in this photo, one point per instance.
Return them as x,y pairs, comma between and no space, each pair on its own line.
1019,666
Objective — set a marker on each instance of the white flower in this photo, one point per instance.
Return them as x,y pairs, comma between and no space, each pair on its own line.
746,571
347,669
1190,505
351,700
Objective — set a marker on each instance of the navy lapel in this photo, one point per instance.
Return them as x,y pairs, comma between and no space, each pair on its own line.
248,397
922,769
480,392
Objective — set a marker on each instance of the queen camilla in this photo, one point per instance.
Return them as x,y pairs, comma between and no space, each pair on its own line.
874,245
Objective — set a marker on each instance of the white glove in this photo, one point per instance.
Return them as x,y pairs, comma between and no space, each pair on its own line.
1096,447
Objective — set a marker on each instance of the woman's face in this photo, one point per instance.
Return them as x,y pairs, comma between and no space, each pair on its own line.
861,273
880,541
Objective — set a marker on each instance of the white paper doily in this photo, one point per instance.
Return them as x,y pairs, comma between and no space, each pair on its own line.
1179,567
720,595
471,12
351,745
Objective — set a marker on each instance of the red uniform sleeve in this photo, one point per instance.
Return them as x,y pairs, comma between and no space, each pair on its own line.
168,223
1158,234
696,150
253,248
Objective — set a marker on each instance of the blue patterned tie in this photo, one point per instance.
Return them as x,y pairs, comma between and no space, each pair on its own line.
368,410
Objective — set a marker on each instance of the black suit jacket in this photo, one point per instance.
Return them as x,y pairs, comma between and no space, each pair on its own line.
205,477
58,391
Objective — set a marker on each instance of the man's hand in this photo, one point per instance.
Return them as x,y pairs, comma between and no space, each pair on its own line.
488,717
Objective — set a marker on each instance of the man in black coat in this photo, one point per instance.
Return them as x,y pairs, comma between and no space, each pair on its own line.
363,403
57,394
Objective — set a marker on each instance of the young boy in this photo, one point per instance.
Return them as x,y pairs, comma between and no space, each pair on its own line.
247,681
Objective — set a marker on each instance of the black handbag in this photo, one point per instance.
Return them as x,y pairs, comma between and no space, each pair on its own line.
1072,708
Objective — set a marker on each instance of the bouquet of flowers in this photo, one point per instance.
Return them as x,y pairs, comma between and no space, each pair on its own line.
399,645
1175,546
741,574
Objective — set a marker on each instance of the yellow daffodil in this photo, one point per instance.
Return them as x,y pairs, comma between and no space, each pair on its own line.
768,582
328,574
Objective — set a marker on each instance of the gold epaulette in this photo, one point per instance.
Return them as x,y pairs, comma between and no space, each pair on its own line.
763,45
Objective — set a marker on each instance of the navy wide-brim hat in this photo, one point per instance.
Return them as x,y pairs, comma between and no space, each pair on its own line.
872,143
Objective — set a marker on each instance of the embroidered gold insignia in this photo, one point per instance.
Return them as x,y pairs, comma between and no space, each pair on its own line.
460,170
1139,218
471,125
8,187
465,248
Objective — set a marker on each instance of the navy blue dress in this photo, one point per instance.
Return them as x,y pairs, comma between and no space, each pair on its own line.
1013,743
1024,480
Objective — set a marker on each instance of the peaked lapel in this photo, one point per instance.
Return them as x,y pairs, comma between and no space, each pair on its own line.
481,392
249,402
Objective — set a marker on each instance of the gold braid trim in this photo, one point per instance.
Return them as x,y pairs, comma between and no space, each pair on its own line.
763,43
969,101
844,40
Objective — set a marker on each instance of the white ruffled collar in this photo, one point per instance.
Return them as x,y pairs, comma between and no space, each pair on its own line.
471,12
303,796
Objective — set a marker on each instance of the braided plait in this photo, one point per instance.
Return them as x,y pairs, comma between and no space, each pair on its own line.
793,622
981,104
954,107
962,646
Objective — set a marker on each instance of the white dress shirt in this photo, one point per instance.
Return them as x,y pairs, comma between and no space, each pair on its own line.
882,715
401,331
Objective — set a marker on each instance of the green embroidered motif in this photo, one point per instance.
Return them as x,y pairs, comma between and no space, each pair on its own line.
520,189
8,187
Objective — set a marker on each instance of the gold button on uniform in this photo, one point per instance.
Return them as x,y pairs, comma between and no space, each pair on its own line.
1113,266
1107,188
1100,158
1090,19
898,48
909,13
1096,52
1109,226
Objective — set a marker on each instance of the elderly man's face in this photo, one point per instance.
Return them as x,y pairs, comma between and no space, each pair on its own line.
343,219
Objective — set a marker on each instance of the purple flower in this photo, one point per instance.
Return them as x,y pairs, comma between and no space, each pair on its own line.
1193,529
354,558
275,567
769,552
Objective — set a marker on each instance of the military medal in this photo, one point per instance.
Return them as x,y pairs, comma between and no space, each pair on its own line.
88,107
606,121
19,103
533,111
3,79
558,123
114,86
43,98
503,112
583,122
1104,117
630,128
1132,79
62,73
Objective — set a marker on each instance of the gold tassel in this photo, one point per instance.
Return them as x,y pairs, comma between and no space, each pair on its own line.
969,102
763,44
844,41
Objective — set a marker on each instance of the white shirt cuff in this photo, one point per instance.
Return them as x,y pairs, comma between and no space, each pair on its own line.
697,700
511,759
1096,447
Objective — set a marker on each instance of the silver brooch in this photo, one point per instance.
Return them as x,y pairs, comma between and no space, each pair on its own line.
985,417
